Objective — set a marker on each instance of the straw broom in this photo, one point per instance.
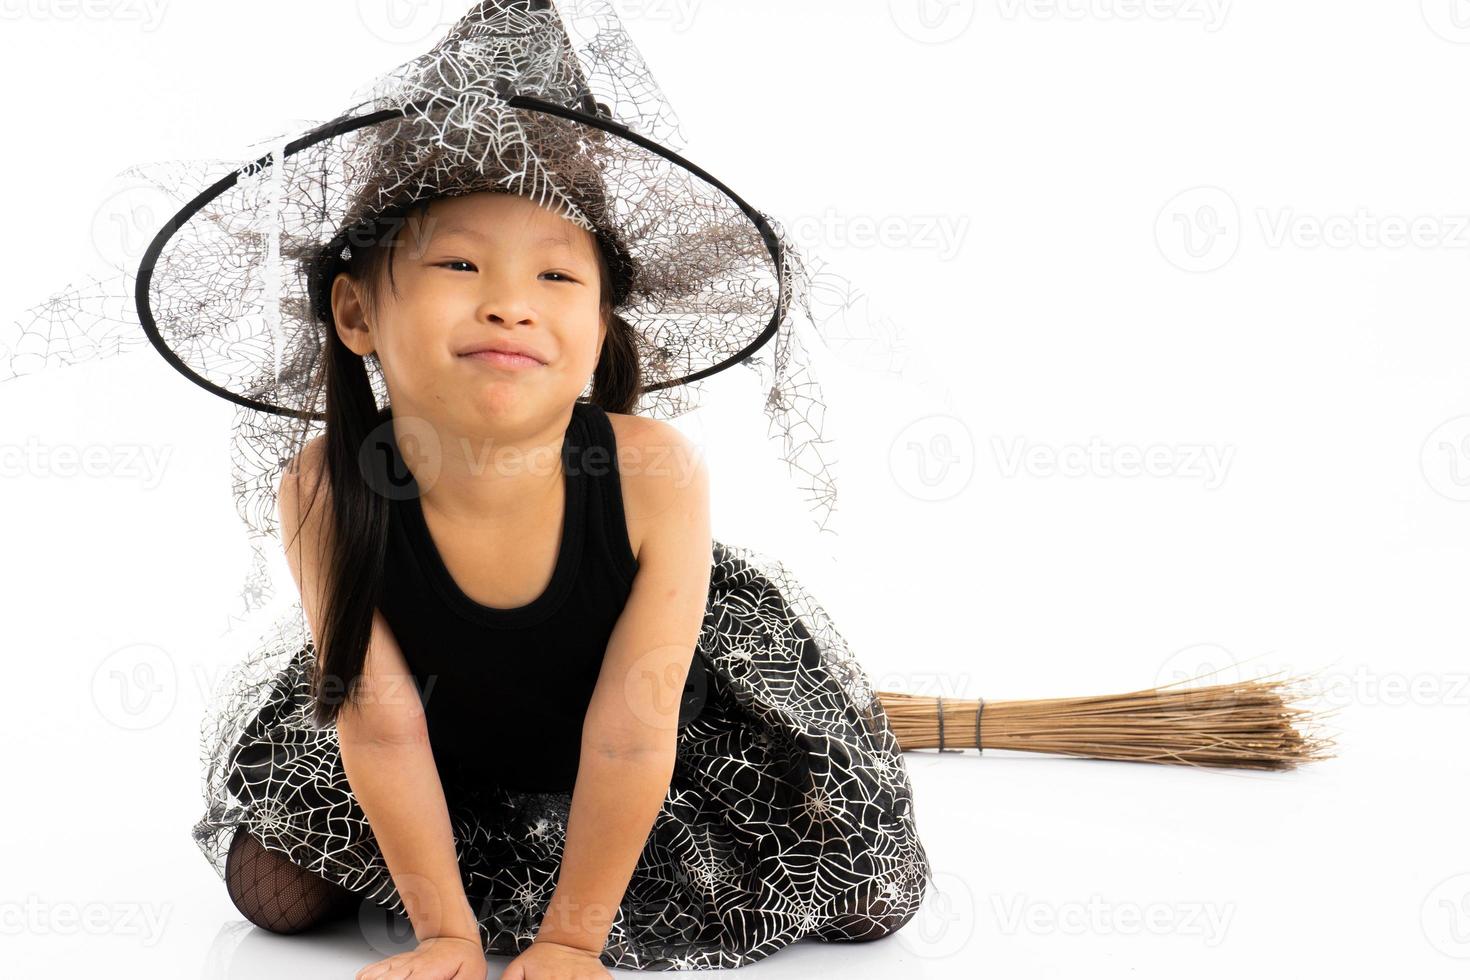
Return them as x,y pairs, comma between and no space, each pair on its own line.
1251,724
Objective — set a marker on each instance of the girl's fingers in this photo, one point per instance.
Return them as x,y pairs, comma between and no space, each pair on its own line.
375,971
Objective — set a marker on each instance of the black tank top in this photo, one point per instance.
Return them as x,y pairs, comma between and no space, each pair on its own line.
505,691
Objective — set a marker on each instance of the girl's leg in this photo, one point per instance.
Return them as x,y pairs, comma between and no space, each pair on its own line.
868,920
277,895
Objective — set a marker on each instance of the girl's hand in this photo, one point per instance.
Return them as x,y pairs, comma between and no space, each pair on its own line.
546,960
436,958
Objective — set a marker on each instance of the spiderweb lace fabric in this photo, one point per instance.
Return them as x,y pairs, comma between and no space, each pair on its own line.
790,813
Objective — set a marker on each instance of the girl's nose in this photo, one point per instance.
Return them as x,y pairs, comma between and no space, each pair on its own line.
506,305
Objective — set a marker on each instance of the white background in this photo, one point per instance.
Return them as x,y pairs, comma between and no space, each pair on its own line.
1183,227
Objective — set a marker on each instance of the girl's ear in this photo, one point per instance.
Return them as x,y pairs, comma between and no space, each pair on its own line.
349,315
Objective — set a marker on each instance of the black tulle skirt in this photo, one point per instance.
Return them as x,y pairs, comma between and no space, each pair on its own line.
790,813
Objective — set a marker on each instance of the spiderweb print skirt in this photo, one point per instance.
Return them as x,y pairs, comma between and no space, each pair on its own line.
790,813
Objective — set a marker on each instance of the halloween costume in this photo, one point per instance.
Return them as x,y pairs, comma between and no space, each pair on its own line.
790,812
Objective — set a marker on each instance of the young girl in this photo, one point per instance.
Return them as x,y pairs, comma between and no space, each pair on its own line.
547,599
529,701
525,698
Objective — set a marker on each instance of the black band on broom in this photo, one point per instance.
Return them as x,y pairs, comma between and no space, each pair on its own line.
1252,724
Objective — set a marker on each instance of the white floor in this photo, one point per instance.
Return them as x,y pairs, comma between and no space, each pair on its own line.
1047,868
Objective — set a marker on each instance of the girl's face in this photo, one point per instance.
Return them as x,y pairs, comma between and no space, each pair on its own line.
482,267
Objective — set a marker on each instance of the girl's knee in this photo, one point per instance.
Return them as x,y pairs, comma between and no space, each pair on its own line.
861,928
277,895
871,917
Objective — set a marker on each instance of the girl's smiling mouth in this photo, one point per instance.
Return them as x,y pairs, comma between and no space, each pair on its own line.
504,359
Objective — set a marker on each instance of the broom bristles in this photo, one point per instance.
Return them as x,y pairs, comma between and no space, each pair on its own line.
1253,724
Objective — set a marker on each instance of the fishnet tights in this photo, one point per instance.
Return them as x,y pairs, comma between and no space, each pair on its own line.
277,895
870,919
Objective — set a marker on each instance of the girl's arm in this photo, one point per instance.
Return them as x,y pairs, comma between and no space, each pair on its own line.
385,743
630,731
390,767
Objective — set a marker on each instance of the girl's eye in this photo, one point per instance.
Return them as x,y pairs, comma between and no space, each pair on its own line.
445,265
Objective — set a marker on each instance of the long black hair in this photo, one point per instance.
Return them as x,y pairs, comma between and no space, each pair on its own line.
356,544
